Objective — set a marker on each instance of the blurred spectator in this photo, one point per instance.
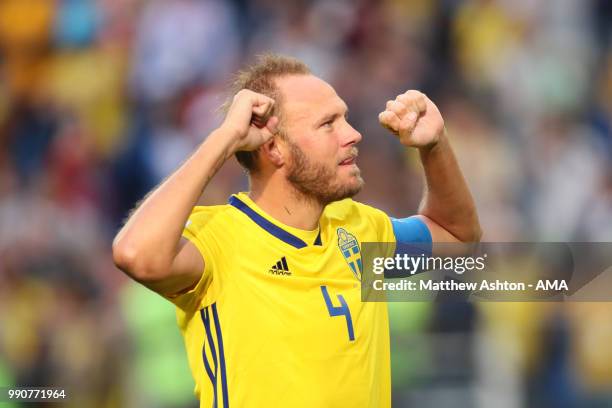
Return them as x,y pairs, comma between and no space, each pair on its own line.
181,42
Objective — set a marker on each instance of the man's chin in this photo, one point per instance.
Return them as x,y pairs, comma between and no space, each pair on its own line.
350,189
356,181
357,188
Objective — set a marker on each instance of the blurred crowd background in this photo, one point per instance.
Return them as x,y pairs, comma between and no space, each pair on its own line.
101,99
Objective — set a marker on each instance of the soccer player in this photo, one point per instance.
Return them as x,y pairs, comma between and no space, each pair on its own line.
267,287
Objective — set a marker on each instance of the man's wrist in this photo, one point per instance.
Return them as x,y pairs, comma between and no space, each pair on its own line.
224,141
434,151
436,145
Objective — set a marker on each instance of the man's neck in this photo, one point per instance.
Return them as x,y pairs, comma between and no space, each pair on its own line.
287,205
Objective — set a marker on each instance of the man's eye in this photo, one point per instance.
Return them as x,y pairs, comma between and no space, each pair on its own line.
328,123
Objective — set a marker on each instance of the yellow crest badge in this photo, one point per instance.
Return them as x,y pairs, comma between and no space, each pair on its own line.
349,246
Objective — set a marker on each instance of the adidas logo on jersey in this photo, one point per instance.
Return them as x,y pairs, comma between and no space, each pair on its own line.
280,268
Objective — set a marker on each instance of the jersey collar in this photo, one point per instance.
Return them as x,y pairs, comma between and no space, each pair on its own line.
243,203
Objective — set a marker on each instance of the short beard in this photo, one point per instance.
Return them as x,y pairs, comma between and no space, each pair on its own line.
316,182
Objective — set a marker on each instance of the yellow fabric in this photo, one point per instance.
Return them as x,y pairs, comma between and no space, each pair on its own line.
281,346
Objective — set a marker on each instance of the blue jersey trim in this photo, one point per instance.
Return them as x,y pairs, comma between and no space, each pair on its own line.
318,240
213,352
271,228
221,356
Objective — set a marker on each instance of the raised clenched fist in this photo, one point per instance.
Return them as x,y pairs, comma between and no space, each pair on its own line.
249,120
414,118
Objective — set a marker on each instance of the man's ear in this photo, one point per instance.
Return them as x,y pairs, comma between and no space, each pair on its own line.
273,151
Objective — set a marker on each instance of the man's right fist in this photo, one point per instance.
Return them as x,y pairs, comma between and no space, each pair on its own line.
249,119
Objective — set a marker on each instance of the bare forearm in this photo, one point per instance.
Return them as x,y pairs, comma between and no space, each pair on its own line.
152,233
447,199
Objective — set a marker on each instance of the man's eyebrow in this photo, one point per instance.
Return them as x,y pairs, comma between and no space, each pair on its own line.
332,116
328,117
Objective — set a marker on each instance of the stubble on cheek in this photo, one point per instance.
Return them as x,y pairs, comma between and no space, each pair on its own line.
319,181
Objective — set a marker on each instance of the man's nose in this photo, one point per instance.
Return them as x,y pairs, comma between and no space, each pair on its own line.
352,136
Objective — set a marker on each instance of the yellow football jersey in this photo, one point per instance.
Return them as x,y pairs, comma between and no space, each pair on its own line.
277,318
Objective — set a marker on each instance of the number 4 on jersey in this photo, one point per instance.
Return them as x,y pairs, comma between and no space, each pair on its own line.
342,310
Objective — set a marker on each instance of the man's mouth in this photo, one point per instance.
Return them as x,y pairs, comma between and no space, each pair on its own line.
348,161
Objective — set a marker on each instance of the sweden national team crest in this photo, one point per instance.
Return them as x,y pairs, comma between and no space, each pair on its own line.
349,246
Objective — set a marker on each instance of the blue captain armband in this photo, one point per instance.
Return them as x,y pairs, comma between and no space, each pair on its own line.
410,230
413,239
412,235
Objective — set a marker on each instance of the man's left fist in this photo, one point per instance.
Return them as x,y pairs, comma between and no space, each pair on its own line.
414,118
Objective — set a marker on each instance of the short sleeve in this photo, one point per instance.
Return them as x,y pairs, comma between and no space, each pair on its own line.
204,231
